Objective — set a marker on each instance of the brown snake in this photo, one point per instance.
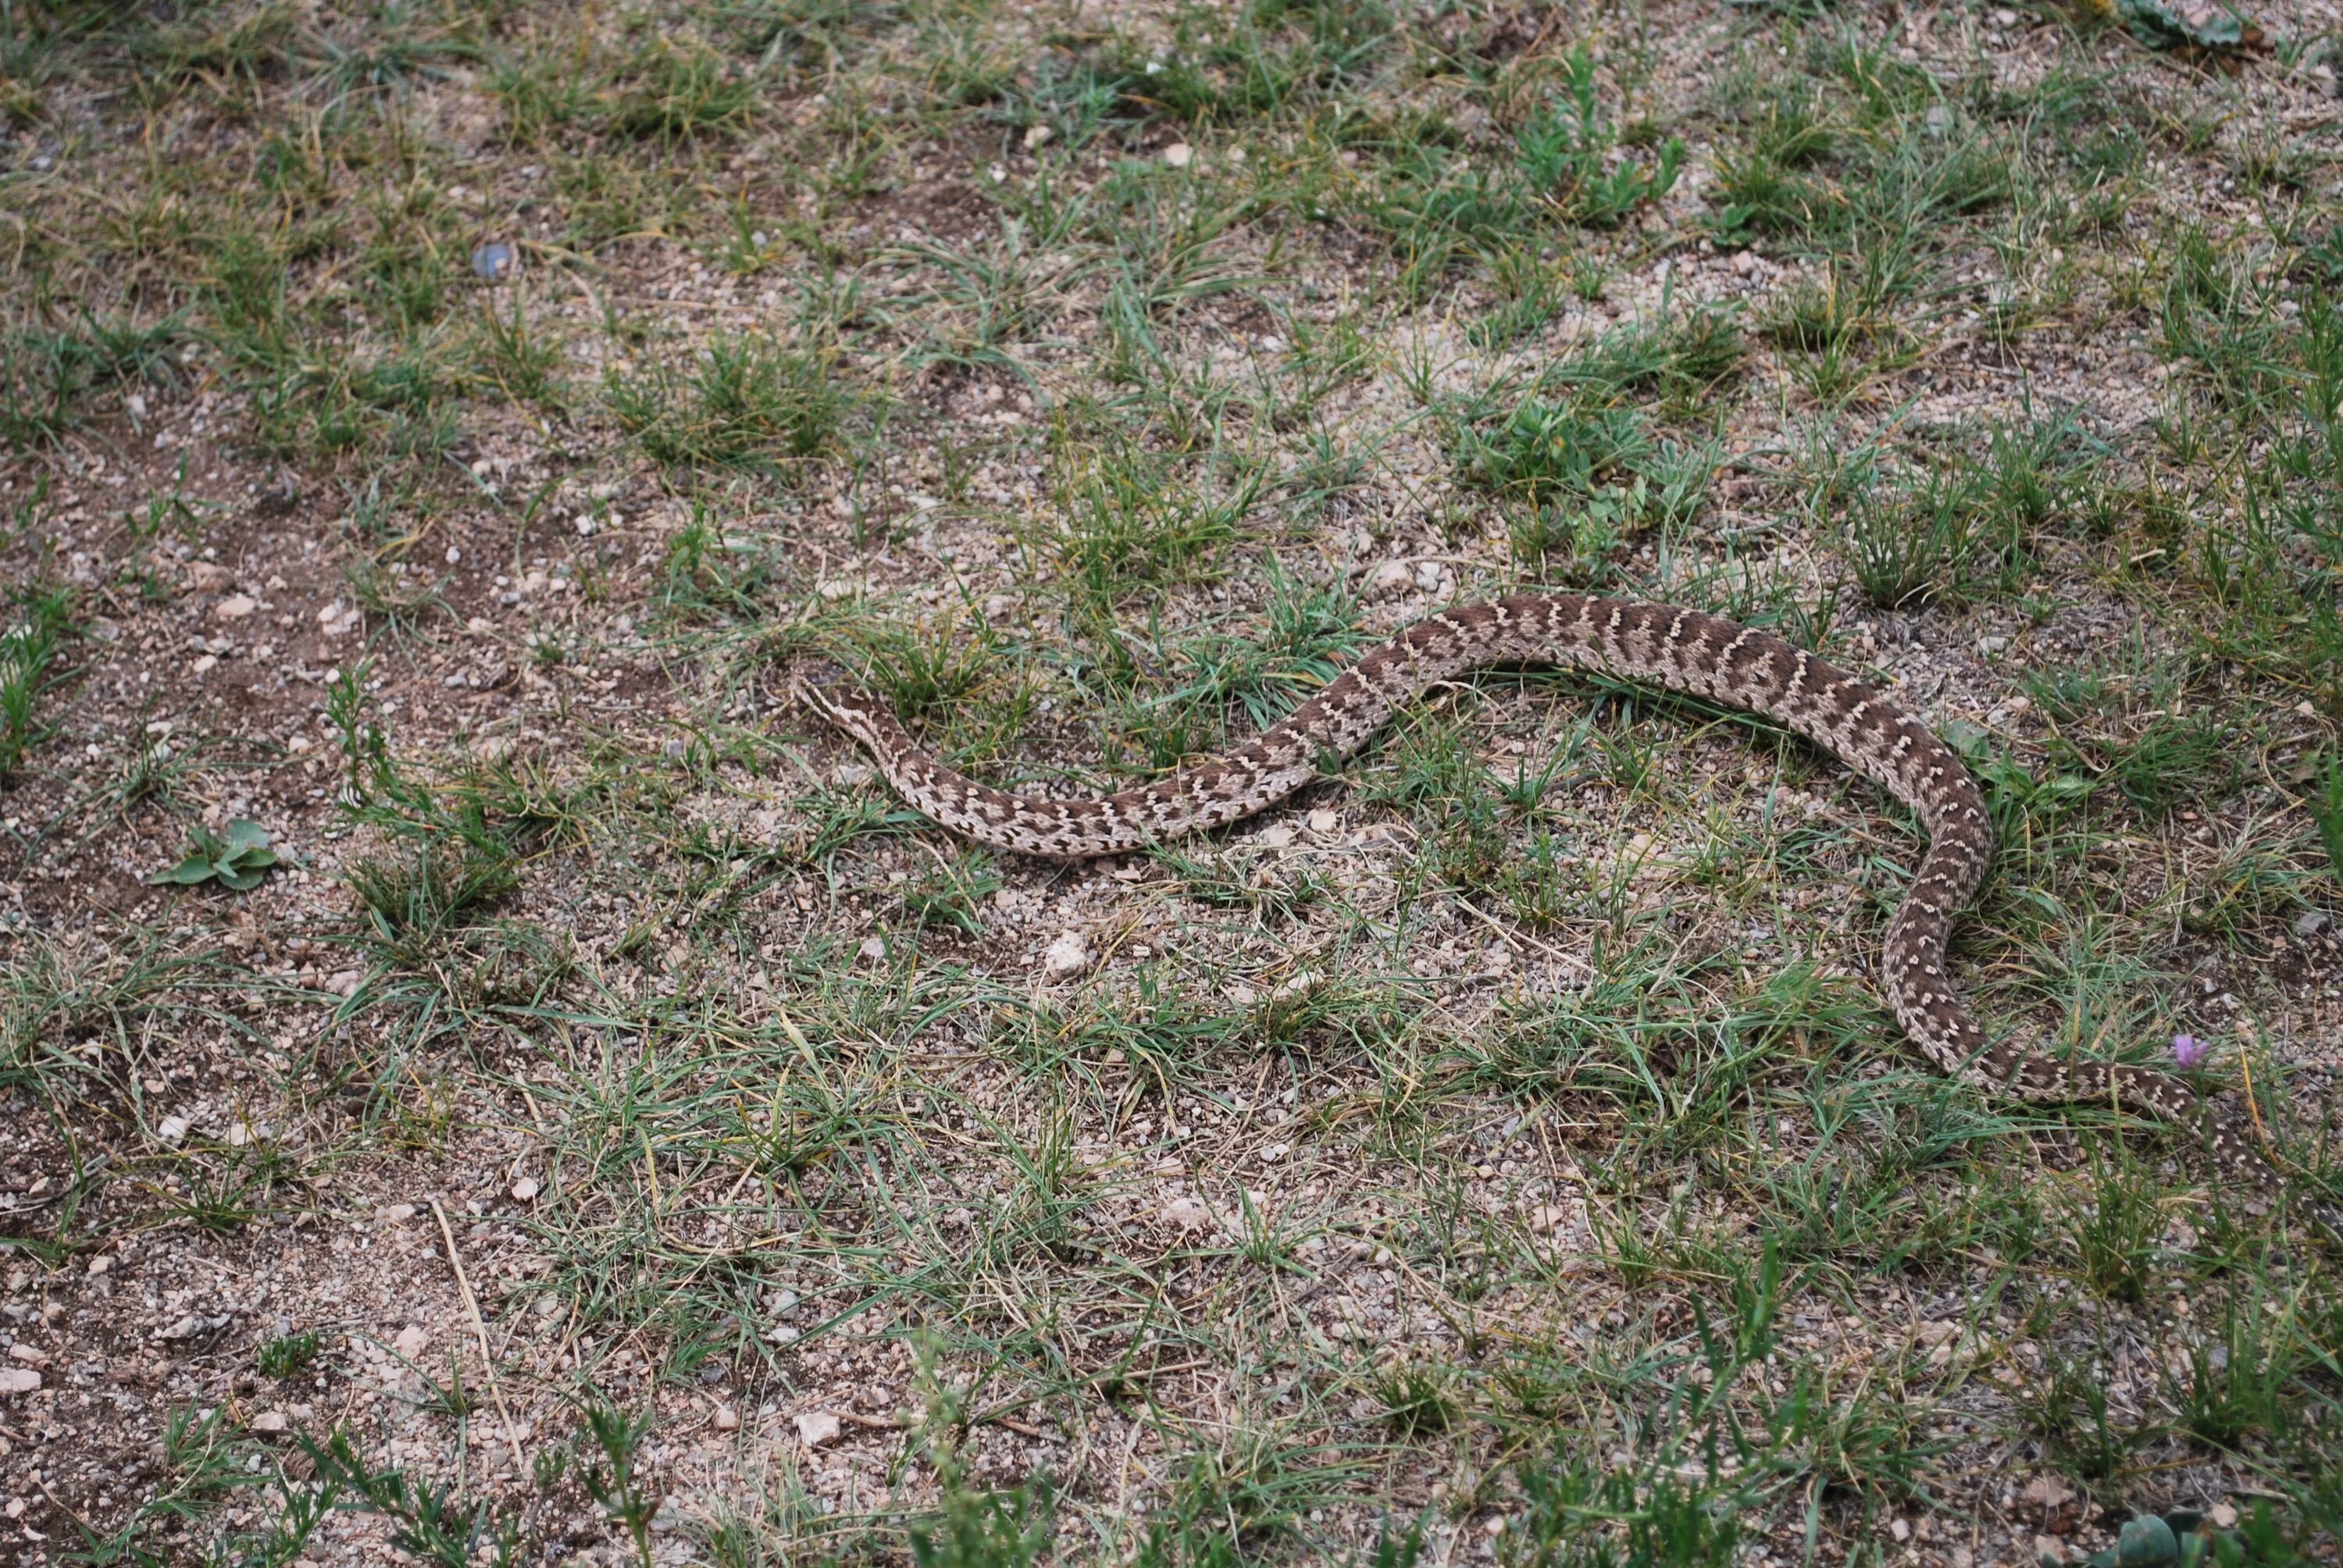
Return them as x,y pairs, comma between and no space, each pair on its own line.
1681,649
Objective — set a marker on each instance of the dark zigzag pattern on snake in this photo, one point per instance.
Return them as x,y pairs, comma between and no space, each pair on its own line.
1683,650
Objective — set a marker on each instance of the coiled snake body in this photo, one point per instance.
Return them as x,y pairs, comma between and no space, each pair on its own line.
1681,649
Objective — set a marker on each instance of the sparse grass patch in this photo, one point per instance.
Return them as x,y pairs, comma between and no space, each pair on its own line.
29,647
746,402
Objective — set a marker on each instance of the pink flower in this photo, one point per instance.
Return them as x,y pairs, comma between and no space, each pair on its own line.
2189,1052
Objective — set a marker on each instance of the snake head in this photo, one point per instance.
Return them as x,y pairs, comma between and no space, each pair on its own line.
823,688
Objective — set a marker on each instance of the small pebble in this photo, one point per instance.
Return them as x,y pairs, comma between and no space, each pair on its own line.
496,261
1067,956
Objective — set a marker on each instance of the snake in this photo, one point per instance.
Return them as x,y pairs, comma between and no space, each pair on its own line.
1681,650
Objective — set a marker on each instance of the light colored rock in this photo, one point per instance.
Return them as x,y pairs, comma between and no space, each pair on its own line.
1547,1218
1185,1214
1067,956
31,1355
1178,155
816,1427
1393,577
412,1342
2045,1491
270,1423
1323,820
525,1189
2310,922
171,1128
18,1380
873,948
726,1419
236,607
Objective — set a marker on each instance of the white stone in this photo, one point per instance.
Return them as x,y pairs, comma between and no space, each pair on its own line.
1547,1218
816,1427
18,1380
1179,154
2045,1492
236,607
525,1189
1186,1214
726,1419
172,1129
412,1342
1067,956
873,948
270,1422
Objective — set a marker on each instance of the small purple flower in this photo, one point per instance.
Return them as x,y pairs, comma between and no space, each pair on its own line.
2189,1052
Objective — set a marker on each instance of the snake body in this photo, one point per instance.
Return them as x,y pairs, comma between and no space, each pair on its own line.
1683,650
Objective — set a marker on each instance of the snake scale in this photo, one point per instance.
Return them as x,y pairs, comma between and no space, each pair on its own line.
1683,650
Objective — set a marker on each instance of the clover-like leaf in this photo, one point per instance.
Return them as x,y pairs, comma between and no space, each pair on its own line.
196,868
238,862
2179,24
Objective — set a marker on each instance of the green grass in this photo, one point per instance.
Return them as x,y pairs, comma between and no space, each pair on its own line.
29,649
